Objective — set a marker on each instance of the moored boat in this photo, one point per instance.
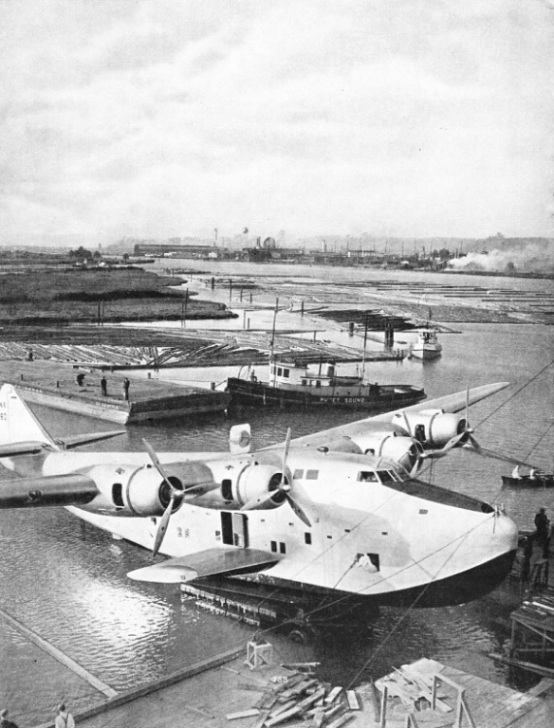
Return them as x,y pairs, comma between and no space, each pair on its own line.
292,383
427,345
539,480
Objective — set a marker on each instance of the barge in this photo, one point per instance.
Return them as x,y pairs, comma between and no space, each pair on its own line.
292,384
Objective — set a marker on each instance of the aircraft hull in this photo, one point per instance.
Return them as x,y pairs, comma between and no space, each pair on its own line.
276,601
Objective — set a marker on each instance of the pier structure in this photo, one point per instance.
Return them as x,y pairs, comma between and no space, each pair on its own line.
59,386
228,690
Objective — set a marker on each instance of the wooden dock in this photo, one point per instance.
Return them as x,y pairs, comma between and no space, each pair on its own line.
55,385
237,690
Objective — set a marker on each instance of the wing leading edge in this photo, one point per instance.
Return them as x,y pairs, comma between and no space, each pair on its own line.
449,403
224,561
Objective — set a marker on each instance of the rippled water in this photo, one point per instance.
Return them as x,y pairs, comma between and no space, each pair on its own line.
67,581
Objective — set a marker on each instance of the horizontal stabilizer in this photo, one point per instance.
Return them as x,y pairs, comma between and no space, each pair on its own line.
68,443
12,450
51,490
212,562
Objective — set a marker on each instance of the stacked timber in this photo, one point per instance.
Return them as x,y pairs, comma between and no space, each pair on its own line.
297,695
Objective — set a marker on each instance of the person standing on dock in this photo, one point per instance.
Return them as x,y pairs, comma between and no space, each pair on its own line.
126,385
64,719
542,524
104,386
5,722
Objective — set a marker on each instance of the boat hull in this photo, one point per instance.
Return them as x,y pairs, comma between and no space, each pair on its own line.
386,397
426,354
540,481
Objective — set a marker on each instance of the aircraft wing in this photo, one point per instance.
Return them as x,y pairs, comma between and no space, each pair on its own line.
449,403
71,489
68,443
224,561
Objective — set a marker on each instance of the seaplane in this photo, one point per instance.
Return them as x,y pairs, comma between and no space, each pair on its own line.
335,514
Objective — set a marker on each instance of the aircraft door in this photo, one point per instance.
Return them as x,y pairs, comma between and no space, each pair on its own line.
240,530
234,529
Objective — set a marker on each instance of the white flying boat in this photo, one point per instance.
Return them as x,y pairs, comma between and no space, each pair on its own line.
337,513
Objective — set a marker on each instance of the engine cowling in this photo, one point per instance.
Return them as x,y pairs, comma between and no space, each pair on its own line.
131,491
390,445
432,428
400,449
256,482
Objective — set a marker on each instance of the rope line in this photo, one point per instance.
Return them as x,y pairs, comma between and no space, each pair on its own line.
518,391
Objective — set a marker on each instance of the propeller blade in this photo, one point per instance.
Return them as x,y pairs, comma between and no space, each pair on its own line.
406,423
258,502
296,508
446,448
415,467
175,493
155,460
285,455
472,444
162,528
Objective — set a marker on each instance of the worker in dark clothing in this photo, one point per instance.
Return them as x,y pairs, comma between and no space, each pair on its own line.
5,722
527,556
126,385
80,379
542,524
104,386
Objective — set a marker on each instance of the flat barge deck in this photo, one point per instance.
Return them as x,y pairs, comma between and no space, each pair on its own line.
55,385
223,691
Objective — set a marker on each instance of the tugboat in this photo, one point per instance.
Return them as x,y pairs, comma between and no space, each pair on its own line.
427,345
292,384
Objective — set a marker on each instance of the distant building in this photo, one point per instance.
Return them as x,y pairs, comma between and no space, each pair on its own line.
178,250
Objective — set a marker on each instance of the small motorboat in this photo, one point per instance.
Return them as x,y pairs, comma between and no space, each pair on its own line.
427,346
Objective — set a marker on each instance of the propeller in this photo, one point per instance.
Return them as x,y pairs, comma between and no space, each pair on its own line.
283,488
175,494
466,440
463,439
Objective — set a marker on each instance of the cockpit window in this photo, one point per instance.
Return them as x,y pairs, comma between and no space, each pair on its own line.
367,476
386,476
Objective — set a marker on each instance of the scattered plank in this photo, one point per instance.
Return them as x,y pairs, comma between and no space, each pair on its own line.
335,692
353,701
250,713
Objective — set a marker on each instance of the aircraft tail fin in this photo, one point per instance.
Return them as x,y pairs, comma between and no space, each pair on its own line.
18,424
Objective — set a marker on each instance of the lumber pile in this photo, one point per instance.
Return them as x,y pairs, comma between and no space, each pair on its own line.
409,690
297,695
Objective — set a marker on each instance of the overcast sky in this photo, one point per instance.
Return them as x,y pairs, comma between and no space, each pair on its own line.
162,118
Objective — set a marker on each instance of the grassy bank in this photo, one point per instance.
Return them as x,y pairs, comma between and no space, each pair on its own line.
59,297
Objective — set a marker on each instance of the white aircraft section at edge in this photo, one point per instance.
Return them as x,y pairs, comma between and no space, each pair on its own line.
337,511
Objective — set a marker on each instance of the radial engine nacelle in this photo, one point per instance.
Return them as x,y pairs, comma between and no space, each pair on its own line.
246,482
390,445
126,490
130,491
432,428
